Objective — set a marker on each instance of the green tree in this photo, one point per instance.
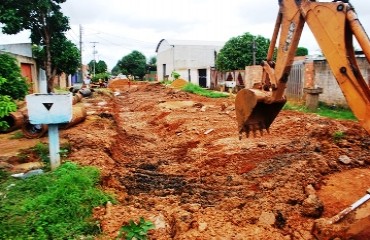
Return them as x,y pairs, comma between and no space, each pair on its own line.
241,51
12,87
66,56
301,51
132,64
152,64
98,67
43,18
116,70
103,76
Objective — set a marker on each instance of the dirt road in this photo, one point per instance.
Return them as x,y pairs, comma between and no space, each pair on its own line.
175,159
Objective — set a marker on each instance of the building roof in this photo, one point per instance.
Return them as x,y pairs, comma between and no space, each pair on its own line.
22,49
190,43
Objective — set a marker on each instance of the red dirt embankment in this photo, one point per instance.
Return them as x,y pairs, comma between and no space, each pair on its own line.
175,159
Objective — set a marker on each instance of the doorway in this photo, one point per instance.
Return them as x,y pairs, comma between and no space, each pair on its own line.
202,73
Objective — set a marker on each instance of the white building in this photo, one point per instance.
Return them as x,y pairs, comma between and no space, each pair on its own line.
193,60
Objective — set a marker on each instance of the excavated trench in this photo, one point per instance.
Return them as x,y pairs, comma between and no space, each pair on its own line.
183,167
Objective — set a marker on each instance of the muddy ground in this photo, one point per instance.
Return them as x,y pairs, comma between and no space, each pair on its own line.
175,158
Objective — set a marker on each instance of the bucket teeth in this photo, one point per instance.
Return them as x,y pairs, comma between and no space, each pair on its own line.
254,128
255,111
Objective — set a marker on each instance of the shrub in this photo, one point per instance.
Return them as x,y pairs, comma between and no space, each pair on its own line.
15,86
135,231
54,205
175,75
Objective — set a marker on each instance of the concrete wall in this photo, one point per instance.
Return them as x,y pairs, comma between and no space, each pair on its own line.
317,73
165,58
323,77
185,60
253,74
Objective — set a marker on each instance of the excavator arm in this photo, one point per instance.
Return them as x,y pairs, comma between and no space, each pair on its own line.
334,24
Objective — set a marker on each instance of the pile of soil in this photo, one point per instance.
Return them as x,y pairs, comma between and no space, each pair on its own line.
179,83
175,158
118,83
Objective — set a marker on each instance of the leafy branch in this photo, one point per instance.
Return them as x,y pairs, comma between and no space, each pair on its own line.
137,231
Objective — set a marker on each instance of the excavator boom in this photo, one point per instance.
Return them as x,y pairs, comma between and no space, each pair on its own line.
334,24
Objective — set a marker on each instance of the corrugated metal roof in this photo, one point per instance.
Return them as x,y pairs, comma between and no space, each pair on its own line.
190,43
195,42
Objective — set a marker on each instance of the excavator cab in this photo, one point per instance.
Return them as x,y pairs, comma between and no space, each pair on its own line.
333,24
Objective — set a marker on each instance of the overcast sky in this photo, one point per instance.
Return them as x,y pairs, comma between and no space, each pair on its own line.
119,26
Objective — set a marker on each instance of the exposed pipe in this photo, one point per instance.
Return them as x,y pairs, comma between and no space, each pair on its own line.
85,92
76,98
79,114
14,120
29,130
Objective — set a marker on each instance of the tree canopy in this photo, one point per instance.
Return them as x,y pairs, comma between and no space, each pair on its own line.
98,67
152,64
45,21
66,56
238,52
132,64
301,51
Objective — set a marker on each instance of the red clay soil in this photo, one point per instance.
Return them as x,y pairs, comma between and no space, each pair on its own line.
175,158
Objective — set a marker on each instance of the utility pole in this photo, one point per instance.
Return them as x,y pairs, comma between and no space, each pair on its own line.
94,53
81,64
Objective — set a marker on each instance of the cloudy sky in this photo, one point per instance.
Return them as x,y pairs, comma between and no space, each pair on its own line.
117,27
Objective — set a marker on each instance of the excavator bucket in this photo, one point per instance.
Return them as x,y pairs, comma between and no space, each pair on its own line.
254,112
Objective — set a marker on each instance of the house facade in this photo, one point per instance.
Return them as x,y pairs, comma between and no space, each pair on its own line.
193,60
23,53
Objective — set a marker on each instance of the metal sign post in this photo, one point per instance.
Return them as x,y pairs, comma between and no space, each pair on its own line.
51,109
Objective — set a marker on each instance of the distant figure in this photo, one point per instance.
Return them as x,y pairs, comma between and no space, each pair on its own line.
87,81
101,83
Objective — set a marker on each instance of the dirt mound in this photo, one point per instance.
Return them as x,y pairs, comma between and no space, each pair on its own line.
179,83
118,83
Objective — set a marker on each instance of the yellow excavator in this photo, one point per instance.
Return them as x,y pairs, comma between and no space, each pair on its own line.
333,24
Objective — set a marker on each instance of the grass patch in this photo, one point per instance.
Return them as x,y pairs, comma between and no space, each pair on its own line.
192,88
3,177
295,107
54,205
338,135
17,135
166,82
42,150
334,112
